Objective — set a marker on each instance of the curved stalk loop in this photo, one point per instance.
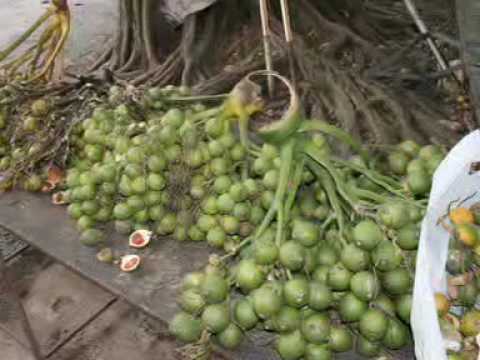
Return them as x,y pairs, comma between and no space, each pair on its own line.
279,131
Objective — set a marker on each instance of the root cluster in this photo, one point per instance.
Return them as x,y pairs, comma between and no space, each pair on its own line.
374,80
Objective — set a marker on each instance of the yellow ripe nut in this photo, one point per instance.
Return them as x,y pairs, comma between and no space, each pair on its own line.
442,304
461,216
467,234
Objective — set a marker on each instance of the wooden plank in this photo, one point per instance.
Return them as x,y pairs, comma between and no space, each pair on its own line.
10,349
153,288
121,334
57,301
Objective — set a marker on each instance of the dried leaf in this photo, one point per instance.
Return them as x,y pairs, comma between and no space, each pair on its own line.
55,176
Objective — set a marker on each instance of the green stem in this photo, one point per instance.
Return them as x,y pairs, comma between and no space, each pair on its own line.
343,136
207,113
237,248
327,222
384,181
198,98
387,183
297,178
289,275
200,122
280,225
41,47
245,170
313,152
286,155
255,149
368,195
329,186
255,153
13,66
243,127
266,221
226,123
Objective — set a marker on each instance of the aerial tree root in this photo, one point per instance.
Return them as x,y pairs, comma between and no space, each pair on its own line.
343,75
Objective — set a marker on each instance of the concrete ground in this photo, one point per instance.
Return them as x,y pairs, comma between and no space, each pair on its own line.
73,319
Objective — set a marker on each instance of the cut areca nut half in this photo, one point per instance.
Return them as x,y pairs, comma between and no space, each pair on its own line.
130,263
140,239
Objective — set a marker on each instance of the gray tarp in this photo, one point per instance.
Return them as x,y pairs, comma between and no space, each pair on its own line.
178,10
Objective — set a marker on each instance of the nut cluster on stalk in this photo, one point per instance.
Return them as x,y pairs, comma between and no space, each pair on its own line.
313,247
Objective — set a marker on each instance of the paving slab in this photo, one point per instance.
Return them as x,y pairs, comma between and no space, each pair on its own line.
57,301
10,349
121,333
152,288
